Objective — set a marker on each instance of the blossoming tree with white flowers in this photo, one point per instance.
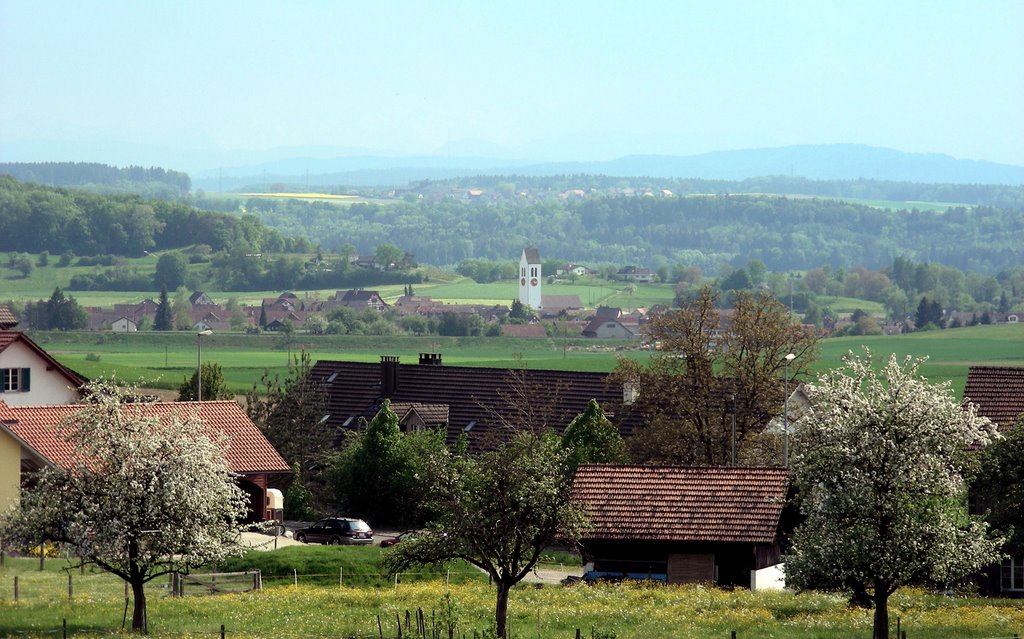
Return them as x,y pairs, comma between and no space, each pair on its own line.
880,472
144,496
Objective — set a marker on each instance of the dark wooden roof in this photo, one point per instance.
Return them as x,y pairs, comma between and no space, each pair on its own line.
677,503
473,395
998,392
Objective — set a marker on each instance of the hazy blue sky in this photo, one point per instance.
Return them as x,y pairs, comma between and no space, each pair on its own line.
545,80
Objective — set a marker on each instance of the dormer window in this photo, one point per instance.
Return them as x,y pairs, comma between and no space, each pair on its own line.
15,380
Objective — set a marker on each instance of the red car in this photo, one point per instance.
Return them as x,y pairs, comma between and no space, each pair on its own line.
391,541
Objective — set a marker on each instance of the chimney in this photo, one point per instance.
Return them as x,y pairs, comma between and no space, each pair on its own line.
388,375
430,359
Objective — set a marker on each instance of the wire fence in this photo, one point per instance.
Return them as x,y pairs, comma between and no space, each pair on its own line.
71,584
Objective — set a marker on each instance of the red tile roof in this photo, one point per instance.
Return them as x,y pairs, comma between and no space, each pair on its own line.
248,450
523,330
7,318
675,503
998,392
9,337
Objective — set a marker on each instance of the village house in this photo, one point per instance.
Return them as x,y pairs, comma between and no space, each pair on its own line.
360,300
31,376
635,274
30,441
683,525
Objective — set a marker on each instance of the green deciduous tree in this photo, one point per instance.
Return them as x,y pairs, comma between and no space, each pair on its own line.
880,474
591,438
377,476
214,386
498,511
171,270
180,308
144,496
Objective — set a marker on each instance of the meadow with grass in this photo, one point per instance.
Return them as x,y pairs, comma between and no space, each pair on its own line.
163,360
329,609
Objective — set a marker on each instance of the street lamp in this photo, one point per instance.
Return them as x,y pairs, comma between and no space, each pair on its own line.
785,413
199,368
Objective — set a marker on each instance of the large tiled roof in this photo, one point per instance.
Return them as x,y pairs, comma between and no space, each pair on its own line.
473,395
248,450
998,392
675,503
9,337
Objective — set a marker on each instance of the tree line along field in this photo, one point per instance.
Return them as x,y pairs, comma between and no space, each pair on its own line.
624,611
163,360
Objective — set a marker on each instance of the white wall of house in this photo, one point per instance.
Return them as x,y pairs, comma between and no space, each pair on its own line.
46,384
770,578
123,326
613,330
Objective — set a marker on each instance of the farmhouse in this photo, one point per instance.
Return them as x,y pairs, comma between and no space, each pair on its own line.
29,441
682,524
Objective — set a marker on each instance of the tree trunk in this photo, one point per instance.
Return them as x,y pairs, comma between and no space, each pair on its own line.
139,609
881,613
501,610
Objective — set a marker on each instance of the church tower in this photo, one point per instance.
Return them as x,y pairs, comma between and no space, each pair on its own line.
530,279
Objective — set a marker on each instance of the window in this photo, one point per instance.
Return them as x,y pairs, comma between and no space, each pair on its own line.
1012,574
13,380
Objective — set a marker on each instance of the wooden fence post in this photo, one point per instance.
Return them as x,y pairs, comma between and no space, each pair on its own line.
222,631
15,587
70,588
64,628
733,634
42,556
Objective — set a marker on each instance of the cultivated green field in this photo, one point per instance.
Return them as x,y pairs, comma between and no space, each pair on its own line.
162,360
442,286
624,611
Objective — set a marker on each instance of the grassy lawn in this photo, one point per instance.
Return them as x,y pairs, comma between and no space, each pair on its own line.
627,610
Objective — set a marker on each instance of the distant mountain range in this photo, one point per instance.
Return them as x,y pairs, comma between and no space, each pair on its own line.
820,162
216,170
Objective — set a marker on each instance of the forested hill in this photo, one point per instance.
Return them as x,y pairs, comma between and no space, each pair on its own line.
37,218
103,178
785,233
